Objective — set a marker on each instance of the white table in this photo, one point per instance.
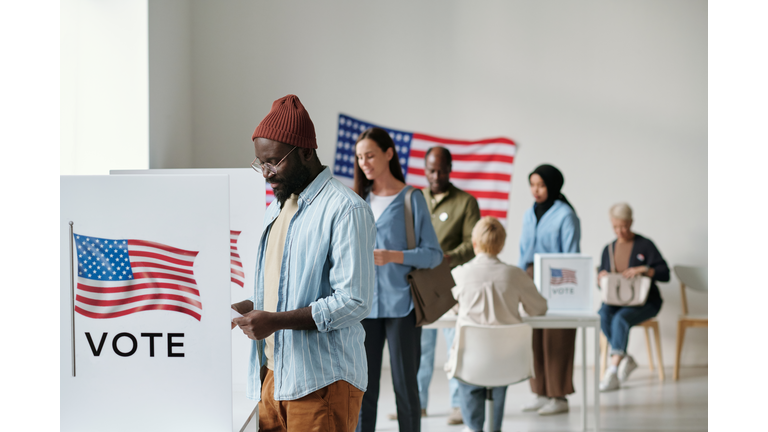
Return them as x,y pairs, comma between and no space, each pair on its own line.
560,320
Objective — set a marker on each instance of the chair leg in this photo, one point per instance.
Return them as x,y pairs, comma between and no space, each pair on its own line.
648,346
603,354
489,409
680,337
657,339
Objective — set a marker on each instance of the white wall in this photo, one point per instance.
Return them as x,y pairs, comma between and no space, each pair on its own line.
104,86
612,93
170,84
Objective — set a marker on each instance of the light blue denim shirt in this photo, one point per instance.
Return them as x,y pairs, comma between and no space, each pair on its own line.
328,265
392,293
558,231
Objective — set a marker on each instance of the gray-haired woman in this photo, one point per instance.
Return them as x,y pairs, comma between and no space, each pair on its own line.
633,255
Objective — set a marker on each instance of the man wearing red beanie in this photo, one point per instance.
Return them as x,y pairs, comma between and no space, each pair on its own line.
314,283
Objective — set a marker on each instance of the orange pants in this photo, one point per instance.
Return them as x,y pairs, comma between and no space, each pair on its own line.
332,408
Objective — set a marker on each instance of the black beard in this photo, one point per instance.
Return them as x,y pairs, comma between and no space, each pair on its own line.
292,181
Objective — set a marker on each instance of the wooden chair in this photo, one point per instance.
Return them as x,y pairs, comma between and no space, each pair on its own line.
697,279
651,324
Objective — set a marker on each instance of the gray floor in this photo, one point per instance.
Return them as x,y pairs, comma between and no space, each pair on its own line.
643,404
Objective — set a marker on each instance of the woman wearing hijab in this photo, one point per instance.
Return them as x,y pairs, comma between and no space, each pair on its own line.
550,226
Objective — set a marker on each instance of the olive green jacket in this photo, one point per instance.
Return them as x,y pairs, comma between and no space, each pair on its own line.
453,218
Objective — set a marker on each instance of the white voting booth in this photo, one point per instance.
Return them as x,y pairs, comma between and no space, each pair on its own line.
154,351
566,281
246,214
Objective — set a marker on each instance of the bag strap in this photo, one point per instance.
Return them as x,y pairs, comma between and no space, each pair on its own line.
410,234
611,258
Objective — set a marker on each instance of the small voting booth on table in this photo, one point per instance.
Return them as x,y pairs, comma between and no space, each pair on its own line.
145,337
565,280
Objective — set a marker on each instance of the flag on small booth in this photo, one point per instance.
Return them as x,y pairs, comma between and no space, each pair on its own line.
120,277
562,276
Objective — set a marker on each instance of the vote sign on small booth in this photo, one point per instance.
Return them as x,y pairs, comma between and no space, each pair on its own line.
565,280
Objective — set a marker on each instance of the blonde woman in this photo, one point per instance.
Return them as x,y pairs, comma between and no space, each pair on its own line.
633,255
489,292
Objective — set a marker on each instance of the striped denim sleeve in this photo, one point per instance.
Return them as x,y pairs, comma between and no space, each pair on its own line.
351,272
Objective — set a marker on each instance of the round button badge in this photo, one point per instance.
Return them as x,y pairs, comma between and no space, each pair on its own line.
443,216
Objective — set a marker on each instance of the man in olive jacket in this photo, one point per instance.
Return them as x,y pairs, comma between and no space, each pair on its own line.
454,214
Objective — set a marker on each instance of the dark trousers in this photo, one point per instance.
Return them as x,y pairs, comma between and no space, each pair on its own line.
553,351
404,340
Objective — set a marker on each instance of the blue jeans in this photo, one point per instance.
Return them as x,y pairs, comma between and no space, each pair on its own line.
473,406
617,320
427,366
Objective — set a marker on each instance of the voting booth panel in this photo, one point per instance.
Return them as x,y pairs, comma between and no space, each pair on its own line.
566,281
144,295
246,216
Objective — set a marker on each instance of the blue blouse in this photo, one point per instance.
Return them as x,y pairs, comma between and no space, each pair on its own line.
558,231
391,292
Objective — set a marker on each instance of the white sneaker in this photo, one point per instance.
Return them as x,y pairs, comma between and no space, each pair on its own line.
610,382
536,405
626,366
554,406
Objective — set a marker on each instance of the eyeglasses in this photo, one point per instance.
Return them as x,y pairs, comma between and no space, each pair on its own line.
267,169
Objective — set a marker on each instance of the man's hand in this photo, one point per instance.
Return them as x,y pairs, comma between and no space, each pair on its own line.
383,256
634,271
601,274
529,270
257,325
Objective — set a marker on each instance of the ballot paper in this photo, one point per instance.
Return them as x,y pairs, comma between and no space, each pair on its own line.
234,314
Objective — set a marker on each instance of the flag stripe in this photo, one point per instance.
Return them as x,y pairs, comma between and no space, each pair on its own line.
492,149
158,275
167,307
160,266
468,167
138,286
418,136
160,257
138,298
488,194
469,157
495,213
237,281
238,272
162,247
467,175
492,204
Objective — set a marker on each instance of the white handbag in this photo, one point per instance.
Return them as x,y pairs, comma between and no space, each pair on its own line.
617,290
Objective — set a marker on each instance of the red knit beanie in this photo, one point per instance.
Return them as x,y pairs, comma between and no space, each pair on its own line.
288,122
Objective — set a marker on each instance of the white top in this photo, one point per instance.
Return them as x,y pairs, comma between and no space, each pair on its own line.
380,203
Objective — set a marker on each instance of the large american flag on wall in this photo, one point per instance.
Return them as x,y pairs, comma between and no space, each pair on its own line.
482,168
121,277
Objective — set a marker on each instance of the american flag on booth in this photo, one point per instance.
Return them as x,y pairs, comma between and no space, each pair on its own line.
562,276
482,168
237,275
120,277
